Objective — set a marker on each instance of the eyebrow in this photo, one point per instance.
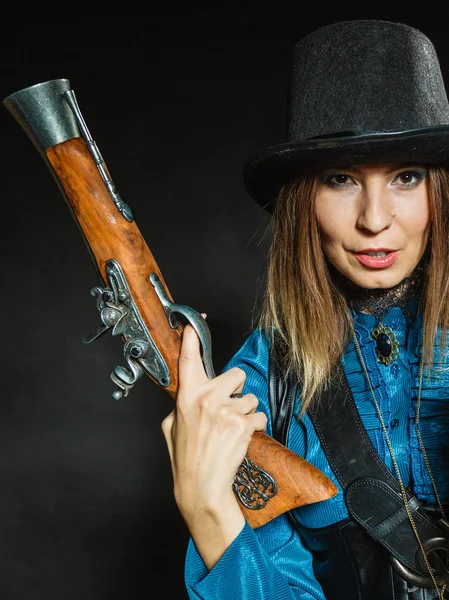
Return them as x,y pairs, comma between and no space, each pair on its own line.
396,167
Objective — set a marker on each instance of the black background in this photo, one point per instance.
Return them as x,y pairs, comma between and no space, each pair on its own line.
175,97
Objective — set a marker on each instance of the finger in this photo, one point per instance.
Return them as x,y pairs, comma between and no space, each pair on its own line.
190,363
259,421
232,381
246,404
167,430
167,424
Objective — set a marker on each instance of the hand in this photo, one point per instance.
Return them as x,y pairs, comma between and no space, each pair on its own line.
207,435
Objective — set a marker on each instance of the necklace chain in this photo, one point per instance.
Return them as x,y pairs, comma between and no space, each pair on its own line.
393,458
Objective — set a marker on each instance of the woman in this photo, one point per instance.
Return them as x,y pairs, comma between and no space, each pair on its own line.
353,321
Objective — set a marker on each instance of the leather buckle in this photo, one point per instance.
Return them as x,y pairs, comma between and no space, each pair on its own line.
439,567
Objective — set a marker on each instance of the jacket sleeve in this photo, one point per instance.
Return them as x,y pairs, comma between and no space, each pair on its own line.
263,563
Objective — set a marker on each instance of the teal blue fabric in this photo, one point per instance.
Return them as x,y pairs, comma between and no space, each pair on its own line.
270,562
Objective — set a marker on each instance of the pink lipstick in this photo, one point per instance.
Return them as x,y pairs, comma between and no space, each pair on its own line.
377,258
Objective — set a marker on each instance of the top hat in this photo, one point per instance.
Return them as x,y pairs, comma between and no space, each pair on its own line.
363,91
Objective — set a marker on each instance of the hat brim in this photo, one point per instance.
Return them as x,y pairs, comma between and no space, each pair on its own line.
266,172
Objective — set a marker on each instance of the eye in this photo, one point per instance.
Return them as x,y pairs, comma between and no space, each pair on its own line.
337,179
410,178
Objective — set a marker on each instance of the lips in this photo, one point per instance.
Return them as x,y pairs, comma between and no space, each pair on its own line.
368,258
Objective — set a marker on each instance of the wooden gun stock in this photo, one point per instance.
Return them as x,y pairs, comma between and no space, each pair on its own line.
282,479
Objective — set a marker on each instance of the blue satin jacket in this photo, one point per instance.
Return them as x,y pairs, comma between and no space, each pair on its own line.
270,562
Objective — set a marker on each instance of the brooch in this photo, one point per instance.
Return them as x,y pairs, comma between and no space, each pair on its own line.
387,345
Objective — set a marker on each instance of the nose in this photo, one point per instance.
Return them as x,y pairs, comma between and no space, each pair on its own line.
375,209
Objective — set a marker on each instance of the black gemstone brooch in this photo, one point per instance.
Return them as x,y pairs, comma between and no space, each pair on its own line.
387,346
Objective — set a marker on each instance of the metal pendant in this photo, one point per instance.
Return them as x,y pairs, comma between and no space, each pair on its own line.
387,345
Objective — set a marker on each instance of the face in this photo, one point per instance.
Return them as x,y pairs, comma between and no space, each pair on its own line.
374,221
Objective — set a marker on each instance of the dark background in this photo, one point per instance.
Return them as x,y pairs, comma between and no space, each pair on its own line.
175,99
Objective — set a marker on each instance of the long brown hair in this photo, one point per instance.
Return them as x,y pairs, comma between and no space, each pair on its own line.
303,311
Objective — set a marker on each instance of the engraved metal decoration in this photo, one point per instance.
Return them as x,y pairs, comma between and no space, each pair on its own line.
253,486
119,313
123,208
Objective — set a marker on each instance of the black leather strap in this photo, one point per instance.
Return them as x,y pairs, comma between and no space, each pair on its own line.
282,395
373,495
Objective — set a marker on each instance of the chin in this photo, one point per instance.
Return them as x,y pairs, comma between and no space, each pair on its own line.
381,279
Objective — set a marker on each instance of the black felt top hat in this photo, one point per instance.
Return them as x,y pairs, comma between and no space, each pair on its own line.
360,91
